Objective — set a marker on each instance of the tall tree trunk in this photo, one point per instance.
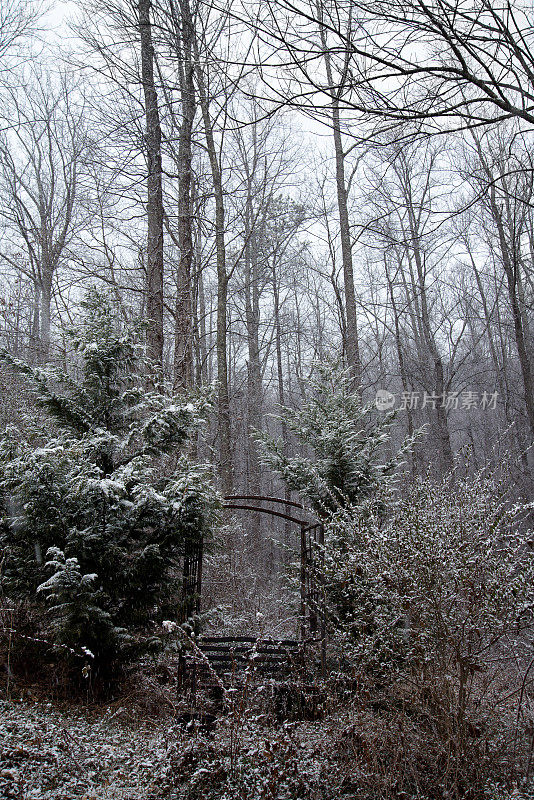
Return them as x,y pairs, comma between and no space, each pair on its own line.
439,413
252,319
154,207
352,348
204,376
400,358
511,267
226,472
499,370
46,302
254,381
35,330
281,392
183,329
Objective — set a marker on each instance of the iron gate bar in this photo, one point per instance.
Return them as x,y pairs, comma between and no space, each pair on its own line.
288,517
260,497
248,640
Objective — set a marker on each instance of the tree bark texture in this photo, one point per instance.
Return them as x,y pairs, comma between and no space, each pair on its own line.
154,207
223,400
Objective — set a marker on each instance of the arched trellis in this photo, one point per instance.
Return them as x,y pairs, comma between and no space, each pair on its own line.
311,535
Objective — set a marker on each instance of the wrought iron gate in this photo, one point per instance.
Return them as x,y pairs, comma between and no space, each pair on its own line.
311,541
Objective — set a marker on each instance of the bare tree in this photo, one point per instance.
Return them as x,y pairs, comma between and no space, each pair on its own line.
264,160
437,65
352,349
18,20
404,207
183,28
503,178
216,84
120,43
41,158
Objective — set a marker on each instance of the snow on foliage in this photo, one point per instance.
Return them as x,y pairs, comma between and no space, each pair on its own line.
104,497
430,587
346,439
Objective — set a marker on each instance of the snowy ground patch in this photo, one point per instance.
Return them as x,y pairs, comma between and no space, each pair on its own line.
46,753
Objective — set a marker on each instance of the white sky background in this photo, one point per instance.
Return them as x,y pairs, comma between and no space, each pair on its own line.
55,21
313,139
309,136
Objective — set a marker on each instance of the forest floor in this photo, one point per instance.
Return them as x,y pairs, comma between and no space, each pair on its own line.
53,752
126,752
46,752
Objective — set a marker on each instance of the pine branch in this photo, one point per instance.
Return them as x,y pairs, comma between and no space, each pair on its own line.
63,409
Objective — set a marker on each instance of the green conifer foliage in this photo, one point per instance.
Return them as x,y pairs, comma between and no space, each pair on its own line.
345,441
95,519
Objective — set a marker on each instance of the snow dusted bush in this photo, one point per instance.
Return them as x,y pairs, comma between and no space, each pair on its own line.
249,760
431,610
404,576
449,575
444,583
95,519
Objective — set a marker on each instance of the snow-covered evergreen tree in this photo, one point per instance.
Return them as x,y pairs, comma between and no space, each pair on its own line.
95,518
345,440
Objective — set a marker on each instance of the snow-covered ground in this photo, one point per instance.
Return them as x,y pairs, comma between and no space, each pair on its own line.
120,754
51,754
47,753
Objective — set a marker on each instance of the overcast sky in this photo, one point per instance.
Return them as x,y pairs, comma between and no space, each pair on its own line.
56,19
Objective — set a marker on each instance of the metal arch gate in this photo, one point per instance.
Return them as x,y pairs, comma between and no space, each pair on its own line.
311,536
